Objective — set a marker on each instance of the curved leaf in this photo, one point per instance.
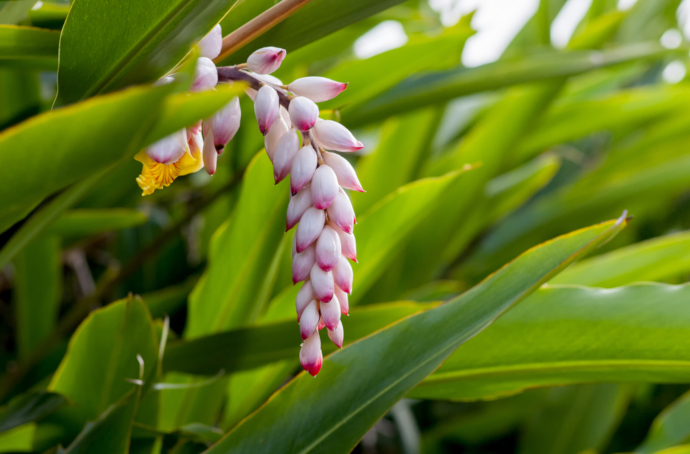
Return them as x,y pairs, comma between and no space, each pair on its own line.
669,428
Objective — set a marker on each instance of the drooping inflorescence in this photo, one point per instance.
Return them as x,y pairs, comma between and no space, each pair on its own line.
299,144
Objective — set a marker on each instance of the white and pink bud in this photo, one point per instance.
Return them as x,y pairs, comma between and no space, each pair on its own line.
299,203
286,150
278,129
334,136
341,213
347,177
303,113
322,283
324,187
169,149
328,249
309,228
309,320
210,155
337,335
205,75
266,108
330,313
303,168
348,244
225,123
304,297
310,355
318,89
266,60
343,299
342,275
211,45
302,264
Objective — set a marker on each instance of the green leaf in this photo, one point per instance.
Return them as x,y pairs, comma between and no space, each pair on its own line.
167,300
28,408
242,260
19,439
575,419
315,20
37,306
657,259
20,92
83,222
256,346
307,415
28,47
14,12
101,355
141,42
565,335
423,90
669,428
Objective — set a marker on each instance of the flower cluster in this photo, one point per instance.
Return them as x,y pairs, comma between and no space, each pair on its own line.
296,141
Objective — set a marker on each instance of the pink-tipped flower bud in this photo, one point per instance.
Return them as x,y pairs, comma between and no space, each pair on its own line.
303,168
205,75
337,335
322,283
304,297
303,113
334,136
225,123
266,60
342,275
328,249
348,244
347,177
302,264
318,89
210,154
278,129
330,313
266,108
285,153
324,187
169,149
343,299
341,213
212,43
285,115
309,320
322,324
299,203
310,355
309,228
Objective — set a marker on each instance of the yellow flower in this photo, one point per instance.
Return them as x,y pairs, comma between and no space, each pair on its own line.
155,175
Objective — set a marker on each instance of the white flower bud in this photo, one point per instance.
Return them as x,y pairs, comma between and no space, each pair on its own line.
322,283
303,113
328,249
210,154
347,177
225,123
266,60
337,335
341,213
302,263
348,244
205,75
168,149
309,228
165,80
285,115
303,168
299,203
304,297
334,136
324,187
266,108
309,319
212,43
251,93
285,153
278,128
318,89
342,275
310,355
330,313
269,79
343,299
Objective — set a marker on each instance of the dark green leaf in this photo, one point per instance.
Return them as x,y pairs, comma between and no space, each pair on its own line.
669,428
29,408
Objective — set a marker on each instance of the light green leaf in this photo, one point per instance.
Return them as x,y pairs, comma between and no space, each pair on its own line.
563,335
19,439
28,47
14,12
669,428
308,416
83,222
